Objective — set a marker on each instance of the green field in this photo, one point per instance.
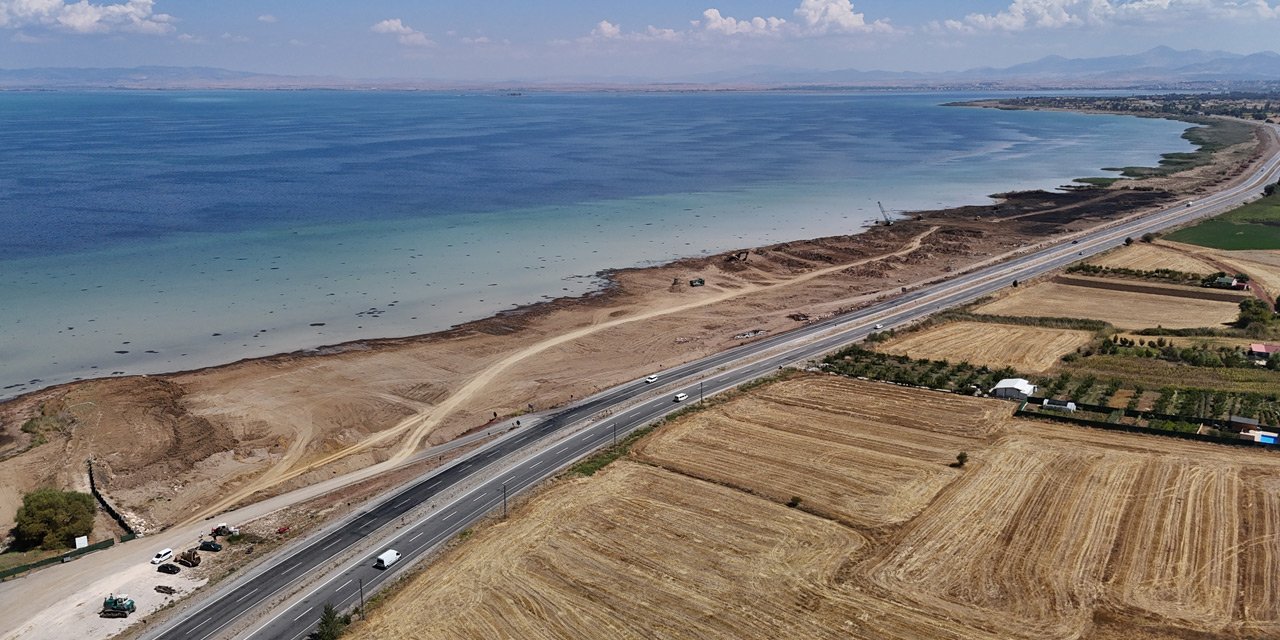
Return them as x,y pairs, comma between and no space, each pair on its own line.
1254,226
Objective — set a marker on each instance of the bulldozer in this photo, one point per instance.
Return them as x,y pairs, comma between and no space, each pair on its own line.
190,558
117,606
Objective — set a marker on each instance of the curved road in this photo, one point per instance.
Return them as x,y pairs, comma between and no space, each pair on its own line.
506,468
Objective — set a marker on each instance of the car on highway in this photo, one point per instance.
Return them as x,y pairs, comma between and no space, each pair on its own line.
651,379
163,555
168,568
879,326
681,397
210,545
386,559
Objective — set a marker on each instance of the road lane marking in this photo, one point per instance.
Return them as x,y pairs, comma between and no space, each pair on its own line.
335,541
401,503
246,595
416,536
206,621
449,514
536,463
344,585
303,614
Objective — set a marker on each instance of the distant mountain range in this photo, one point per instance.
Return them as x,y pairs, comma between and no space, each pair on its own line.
1160,67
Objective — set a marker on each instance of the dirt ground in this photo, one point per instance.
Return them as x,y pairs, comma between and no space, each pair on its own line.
1028,349
1123,309
1048,532
178,447
1263,267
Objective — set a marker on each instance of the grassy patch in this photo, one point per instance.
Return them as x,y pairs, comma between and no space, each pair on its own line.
1210,137
1154,374
1098,182
1253,226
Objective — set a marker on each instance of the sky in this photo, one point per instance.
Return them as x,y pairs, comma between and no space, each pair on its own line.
609,39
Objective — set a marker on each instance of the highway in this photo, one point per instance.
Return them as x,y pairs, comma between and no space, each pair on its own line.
482,479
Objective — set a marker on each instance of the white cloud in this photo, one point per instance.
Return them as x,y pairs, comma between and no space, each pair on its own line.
714,22
405,35
23,38
606,29
136,16
1022,15
231,37
190,39
822,16
268,18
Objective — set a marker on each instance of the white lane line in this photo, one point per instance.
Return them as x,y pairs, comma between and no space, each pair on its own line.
433,484
303,614
206,620
536,463
335,541
563,449
401,503
246,595
344,585
416,536
449,514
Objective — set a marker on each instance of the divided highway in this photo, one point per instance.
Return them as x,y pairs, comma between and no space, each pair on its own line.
500,470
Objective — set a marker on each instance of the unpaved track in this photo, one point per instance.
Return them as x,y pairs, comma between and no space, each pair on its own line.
412,430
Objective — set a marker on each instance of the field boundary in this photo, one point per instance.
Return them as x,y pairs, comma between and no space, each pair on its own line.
1133,287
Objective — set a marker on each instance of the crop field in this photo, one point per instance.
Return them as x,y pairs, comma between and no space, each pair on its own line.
1253,226
1125,310
1154,373
1149,257
1025,348
1048,532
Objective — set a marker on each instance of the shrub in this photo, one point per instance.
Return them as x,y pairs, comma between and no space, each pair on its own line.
53,519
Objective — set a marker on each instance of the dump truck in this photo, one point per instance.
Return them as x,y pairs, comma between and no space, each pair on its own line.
189,558
117,606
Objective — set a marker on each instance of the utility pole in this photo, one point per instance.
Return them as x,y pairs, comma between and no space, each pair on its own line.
504,501
362,598
615,434
699,392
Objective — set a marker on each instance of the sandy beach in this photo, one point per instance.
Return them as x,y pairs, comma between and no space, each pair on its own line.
177,447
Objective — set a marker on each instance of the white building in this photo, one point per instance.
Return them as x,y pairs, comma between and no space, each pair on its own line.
1015,388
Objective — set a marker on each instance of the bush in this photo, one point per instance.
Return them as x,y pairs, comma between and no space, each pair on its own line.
53,519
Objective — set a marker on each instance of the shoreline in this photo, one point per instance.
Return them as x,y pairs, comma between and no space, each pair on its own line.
310,413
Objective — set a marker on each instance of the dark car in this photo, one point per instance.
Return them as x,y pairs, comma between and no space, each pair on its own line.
168,568
210,545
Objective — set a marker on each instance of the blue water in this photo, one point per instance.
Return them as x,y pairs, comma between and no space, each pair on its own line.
140,224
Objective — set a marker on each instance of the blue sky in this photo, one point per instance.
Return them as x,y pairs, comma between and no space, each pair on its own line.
573,39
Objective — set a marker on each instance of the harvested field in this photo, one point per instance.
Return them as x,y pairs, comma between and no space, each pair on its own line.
1149,257
883,450
1049,532
1153,373
1029,349
1122,309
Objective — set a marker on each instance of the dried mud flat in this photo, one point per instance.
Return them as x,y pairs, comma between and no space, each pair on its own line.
1025,348
1049,532
1124,309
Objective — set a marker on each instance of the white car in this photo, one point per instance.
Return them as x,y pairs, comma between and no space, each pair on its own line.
651,379
165,555
681,397
879,326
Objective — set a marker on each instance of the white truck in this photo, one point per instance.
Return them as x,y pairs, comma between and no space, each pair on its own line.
387,558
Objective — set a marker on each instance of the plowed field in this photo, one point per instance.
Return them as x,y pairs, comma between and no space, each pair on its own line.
1149,257
1048,532
1028,349
1123,309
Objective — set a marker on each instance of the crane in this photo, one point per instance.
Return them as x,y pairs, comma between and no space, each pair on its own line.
887,221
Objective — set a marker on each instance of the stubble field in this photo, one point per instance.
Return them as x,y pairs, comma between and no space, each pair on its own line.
1149,257
1025,348
1124,309
1048,532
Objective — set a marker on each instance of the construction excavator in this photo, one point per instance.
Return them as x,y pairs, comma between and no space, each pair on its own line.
887,221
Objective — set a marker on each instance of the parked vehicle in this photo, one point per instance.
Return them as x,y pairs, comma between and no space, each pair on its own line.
210,545
189,558
386,559
164,555
224,529
681,397
168,568
117,606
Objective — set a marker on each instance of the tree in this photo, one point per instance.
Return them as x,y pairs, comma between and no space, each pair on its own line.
1128,241
961,458
331,625
1254,311
1149,237
53,519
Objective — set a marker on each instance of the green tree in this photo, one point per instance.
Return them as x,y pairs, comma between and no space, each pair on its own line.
1128,241
961,459
1254,311
331,625
52,519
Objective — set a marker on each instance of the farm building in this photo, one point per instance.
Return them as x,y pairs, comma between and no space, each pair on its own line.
1263,351
1262,437
1015,388
1242,423
1227,282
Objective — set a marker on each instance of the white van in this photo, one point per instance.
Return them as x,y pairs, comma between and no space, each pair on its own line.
165,555
681,397
387,558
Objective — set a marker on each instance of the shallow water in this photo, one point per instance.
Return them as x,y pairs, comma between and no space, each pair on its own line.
150,232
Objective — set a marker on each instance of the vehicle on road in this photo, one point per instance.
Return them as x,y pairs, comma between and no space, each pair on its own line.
879,326
117,606
386,559
168,568
651,379
681,397
164,555
210,545
189,558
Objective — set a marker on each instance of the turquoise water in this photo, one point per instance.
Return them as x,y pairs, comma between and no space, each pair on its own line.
153,232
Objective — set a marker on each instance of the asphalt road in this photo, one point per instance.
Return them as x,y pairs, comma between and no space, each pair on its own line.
511,474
